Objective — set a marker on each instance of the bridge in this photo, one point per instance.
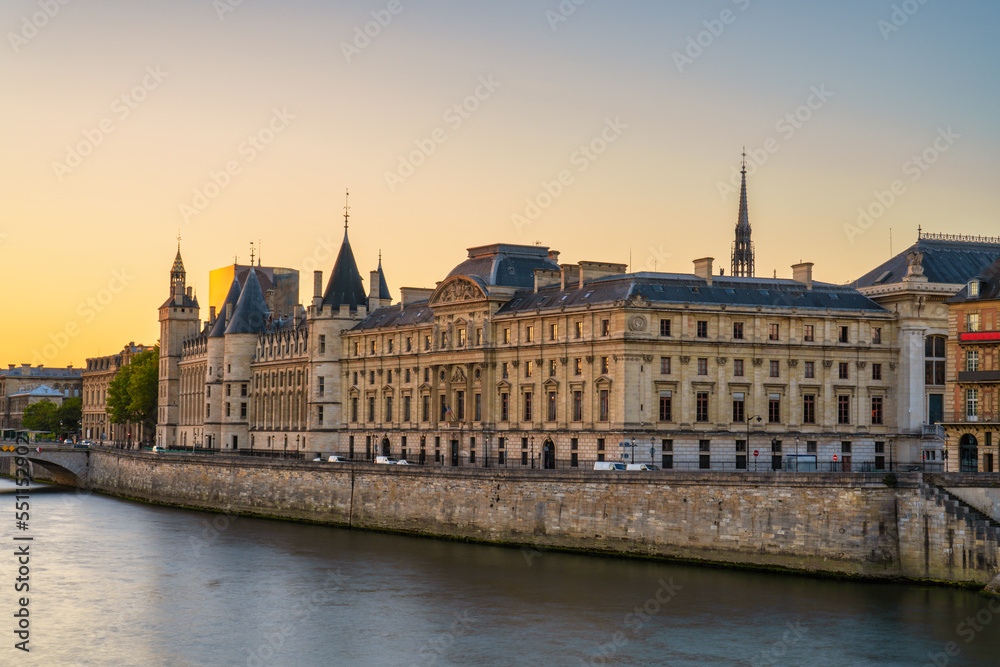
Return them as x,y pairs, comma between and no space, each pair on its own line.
67,465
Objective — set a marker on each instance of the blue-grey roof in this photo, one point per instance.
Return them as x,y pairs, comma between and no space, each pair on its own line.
251,311
43,391
395,316
383,286
505,264
946,260
38,371
683,288
989,285
233,296
345,286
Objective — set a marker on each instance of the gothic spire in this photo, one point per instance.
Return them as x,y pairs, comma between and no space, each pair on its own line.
345,286
383,287
743,246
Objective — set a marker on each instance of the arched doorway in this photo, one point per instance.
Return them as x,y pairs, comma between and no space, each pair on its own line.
968,453
549,455
386,447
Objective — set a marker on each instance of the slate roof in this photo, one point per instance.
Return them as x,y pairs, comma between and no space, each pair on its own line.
42,372
233,296
505,264
43,391
251,311
945,261
989,286
684,288
345,286
394,316
186,302
383,287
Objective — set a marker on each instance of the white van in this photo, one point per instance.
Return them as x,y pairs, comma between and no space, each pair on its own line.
641,466
388,460
609,465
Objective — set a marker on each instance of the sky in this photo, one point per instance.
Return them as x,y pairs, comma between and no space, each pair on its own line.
609,131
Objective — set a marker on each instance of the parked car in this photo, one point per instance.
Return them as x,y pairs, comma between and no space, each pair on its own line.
386,460
337,459
641,466
81,445
403,462
609,465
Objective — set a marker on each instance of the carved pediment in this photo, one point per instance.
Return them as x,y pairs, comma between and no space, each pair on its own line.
503,385
457,289
551,383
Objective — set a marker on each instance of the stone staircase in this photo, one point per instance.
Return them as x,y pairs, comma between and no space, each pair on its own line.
980,525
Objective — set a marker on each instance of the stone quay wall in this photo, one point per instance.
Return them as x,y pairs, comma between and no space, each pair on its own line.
845,524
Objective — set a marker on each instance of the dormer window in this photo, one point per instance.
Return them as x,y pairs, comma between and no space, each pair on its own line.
973,288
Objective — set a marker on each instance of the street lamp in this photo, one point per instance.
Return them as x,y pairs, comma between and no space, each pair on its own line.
532,452
796,453
652,448
749,420
632,455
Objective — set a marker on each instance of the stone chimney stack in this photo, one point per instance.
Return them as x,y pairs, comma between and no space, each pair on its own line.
317,289
803,273
703,269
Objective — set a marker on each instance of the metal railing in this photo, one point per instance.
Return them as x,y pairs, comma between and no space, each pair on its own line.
962,417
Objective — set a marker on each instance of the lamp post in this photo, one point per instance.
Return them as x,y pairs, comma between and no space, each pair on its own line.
632,455
652,448
532,452
796,453
890,455
486,449
749,420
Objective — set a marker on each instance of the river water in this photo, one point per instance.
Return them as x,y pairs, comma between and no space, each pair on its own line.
114,582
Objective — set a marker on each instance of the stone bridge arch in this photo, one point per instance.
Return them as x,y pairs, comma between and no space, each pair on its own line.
67,465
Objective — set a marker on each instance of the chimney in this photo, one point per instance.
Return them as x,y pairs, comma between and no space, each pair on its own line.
229,312
317,288
190,292
703,269
296,313
211,315
803,273
554,255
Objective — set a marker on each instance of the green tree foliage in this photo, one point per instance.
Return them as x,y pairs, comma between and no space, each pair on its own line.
132,393
41,416
71,413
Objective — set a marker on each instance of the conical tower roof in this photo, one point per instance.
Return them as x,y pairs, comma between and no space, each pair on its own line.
232,297
345,286
742,265
178,266
383,287
251,311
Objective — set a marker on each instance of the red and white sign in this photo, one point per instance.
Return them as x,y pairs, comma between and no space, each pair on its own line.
834,458
756,452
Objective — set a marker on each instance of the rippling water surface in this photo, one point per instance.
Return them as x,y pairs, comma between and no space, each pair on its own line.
120,583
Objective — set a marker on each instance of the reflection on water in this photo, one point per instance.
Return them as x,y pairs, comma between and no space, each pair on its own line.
120,583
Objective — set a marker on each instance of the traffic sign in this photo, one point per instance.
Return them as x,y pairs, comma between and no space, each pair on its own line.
834,458
756,452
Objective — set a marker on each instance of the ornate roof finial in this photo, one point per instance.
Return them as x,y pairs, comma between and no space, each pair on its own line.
178,239
347,207
744,170
251,253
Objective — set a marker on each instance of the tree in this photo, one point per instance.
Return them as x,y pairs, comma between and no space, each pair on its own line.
132,394
41,416
71,413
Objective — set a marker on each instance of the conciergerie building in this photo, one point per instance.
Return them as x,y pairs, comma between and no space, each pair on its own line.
515,359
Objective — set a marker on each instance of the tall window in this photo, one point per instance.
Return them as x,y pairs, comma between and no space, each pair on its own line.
809,333
774,369
553,331
739,413
551,406
527,368
604,365
478,403
971,402
552,368
577,406
602,405
664,365
702,329
809,409
322,345
425,408
972,322
506,334
460,406
529,334
843,337
773,332
737,368
701,406
934,359
843,409
972,360
371,408
406,408
605,327
876,409
461,337
321,381
738,330
578,366
664,327
774,408
843,372
702,366
388,409
666,406
504,407
876,335
527,406
577,329
876,371
505,369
